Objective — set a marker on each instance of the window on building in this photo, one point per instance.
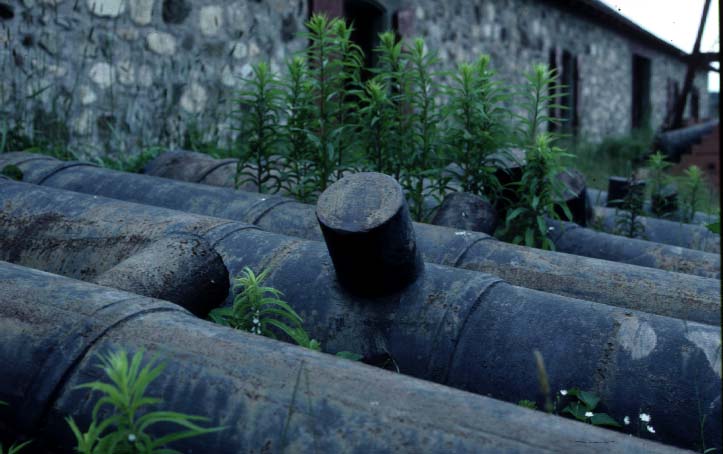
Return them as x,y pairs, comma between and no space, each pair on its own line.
565,63
641,92
672,92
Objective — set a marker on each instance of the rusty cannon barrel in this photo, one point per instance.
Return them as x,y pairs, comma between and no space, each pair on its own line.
648,289
465,329
269,396
691,236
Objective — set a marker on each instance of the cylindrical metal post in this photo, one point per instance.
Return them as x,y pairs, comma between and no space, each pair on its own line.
367,228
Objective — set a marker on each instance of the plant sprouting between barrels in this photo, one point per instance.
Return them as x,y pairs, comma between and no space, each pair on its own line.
260,132
299,156
539,188
127,428
660,204
259,310
628,219
693,191
475,130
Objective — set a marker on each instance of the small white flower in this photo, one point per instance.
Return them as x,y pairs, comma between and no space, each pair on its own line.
131,438
255,321
626,420
650,429
589,414
563,392
644,417
550,229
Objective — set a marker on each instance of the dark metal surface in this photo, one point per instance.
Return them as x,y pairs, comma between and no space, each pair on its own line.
461,328
573,239
690,236
599,198
369,234
271,397
181,165
677,142
648,289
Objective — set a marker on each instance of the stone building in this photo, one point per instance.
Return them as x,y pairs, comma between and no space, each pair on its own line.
116,75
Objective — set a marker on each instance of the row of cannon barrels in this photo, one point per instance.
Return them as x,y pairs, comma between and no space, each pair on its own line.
651,290
570,238
599,198
268,396
459,328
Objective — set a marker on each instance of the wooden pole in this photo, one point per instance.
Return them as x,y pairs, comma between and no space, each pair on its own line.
690,72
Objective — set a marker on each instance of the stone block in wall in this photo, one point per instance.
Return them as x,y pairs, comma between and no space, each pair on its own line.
141,11
107,8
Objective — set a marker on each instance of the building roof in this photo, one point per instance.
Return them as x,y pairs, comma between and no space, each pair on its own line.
603,14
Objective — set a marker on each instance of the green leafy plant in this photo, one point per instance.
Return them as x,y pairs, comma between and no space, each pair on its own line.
527,222
376,123
12,171
475,129
582,407
334,74
299,156
261,105
527,404
125,431
421,159
627,218
539,188
392,73
259,310
692,192
131,163
658,178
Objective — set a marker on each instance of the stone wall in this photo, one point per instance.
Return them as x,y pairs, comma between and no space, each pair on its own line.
118,75
518,33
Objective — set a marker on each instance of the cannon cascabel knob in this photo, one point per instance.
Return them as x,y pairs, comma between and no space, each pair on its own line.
369,234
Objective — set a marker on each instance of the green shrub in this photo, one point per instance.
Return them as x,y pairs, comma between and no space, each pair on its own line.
476,127
627,218
538,189
126,429
693,187
259,310
657,180
259,115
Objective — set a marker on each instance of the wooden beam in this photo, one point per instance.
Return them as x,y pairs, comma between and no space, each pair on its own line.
690,72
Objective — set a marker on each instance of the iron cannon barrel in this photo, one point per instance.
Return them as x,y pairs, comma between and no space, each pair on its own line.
648,289
599,198
199,168
465,329
267,394
691,236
